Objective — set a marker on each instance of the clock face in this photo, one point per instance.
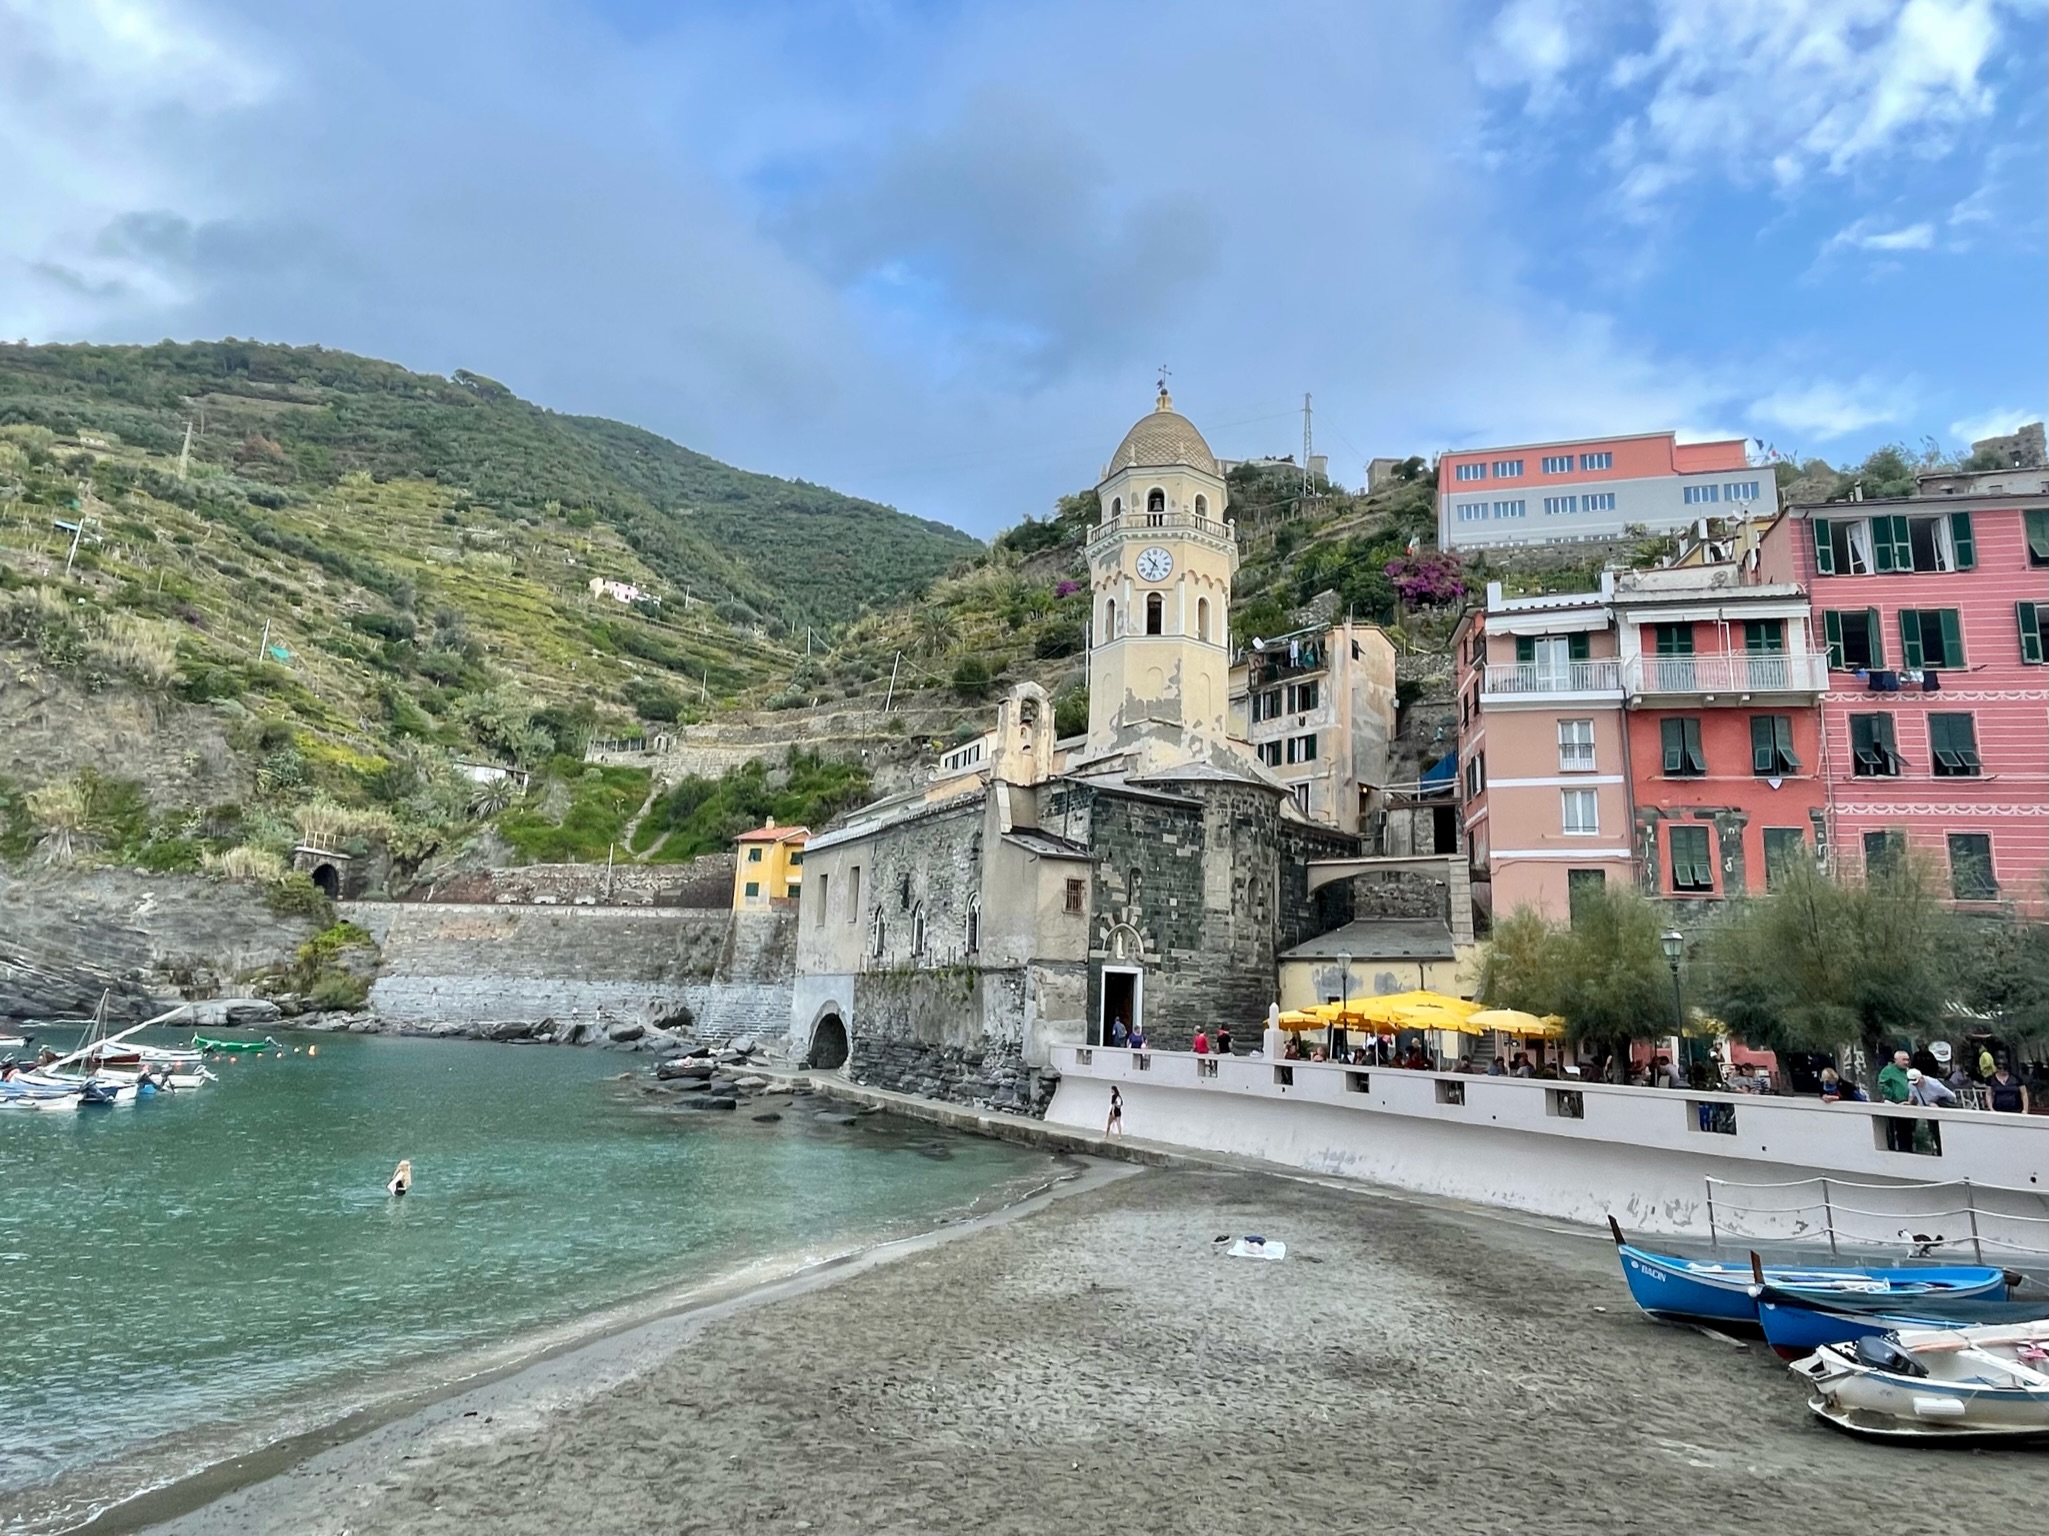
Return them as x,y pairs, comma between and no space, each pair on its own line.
1155,564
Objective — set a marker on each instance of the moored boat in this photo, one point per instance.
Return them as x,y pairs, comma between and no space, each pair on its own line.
1942,1384
1796,1325
1714,1291
207,1045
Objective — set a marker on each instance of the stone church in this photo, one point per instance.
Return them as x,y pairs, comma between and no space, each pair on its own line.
1151,871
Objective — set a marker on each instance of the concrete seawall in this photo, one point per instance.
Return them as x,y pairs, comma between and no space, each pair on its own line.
720,973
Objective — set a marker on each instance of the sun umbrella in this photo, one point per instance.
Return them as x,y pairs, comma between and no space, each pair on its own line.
1524,1026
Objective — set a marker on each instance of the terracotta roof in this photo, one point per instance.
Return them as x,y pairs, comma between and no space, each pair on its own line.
773,834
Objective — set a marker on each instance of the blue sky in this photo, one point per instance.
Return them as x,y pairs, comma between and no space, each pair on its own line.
934,253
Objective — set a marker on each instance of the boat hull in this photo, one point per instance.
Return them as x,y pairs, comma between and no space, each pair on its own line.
1697,1290
1794,1326
1954,1384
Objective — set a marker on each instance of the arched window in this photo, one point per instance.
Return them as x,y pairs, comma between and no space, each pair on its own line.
1109,620
1155,613
1116,506
1202,618
881,934
974,924
1155,502
918,931
1201,506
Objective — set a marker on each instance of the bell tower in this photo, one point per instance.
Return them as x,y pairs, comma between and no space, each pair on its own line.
1160,566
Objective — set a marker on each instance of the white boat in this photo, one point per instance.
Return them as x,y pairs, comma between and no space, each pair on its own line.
15,1094
1935,1383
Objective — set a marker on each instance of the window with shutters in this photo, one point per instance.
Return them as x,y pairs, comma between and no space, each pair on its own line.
1302,749
1575,746
1684,758
1854,639
753,889
1953,746
1883,852
1782,846
1476,774
1771,746
1874,753
1970,867
1673,639
1692,866
2037,524
2033,621
1931,637
1842,547
1270,753
1302,697
1765,637
1943,542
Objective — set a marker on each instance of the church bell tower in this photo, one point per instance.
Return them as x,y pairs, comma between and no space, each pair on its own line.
1160,566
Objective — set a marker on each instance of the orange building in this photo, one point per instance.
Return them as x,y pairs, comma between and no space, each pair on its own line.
770,866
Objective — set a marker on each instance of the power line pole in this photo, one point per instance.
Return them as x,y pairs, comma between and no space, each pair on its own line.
1308,442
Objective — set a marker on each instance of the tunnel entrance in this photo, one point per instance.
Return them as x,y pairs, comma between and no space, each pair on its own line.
828,1044
325,876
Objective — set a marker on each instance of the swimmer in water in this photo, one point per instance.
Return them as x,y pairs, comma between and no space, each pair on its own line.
402,1180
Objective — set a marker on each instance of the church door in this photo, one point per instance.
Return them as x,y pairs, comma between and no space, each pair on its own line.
1123,997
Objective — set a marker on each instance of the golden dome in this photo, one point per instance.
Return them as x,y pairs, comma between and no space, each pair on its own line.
1162,439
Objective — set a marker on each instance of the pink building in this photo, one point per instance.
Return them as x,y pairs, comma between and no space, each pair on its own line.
1935,725
1594,488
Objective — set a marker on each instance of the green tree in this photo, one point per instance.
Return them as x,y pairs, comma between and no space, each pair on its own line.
1821,961
1604,973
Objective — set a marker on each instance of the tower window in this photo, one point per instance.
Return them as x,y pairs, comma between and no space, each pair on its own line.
1201,506
1116,506
1110,619
1155,614
1202,619
1156,500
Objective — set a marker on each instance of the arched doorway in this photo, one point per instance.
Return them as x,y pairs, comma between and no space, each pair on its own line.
329,881
828,1051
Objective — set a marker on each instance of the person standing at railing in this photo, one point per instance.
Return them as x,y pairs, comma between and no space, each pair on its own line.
2008,1095
1894,1087
1201,1046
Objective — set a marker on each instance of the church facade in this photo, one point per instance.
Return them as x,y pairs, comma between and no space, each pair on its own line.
1150,873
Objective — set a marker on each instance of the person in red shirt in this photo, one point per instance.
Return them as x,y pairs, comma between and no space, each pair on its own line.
1201,1042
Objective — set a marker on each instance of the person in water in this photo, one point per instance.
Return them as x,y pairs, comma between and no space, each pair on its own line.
402,1179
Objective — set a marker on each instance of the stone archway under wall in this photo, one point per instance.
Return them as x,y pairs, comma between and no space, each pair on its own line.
328,878
828,1048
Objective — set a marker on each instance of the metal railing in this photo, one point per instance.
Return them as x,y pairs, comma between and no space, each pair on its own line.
1146,521
1535,679
1764,672
1986,1218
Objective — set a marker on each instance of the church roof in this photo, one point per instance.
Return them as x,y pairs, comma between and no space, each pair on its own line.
1386,938
1161,439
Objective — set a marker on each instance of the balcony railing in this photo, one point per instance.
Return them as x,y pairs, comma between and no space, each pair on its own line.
1539,679
1145,521
1737,673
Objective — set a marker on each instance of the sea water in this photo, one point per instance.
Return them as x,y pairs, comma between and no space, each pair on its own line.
174,1272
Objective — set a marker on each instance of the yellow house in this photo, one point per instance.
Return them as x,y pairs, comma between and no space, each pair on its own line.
770,867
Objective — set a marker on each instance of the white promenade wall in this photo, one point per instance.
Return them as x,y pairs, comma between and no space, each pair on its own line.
1638,1154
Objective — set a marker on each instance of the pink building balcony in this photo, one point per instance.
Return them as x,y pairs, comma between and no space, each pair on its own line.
1538,681
1734,677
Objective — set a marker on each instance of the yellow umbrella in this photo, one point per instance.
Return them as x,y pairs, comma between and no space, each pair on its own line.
1458,1005
1301,1019
1524,1026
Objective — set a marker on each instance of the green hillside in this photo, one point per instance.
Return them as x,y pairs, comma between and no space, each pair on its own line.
299,419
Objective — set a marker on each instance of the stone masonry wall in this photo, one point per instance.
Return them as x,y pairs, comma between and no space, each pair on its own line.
955,1034
703,882
721,973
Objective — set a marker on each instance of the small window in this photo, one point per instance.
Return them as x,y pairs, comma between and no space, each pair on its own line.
754,855
1782,847
1771,746
1507,469
1684,758
881,936
918,931
1575,746
753,889
1565,1103
1765,637
796,858
1270,753
974,933
1582,812
1077,896
1883,852
1673,639
1201,505
1155,613
1874,751
1449,1092
1110,619
2037,523
1707,1115
1597,501
1692,867
1694,495
1476,774
1931,637
1558,464
1470,472
1302,749
903,893
1953,744
1202,614
1853,640
1306,697
1358,1082
824,890
1970,867
1116,506
854,893
2033,620
1597,461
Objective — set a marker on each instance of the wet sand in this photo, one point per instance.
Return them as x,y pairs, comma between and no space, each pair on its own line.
1097,1365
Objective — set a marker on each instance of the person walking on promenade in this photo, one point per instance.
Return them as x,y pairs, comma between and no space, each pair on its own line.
1114,1126
1138,1037
1895,1088
1116,1032
2009,1095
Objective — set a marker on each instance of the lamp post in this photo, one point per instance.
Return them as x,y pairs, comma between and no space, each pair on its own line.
1674,943
1344,994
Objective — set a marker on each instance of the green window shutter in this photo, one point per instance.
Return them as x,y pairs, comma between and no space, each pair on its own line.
1579,647
1881,546
1765,637
1674,742
1960,539
1902,544
1824,551
1952,637
1832,632
1696,759
1874,627
1525,649
1862,732
1782,742
2028,616
2037,525
1910,637
1764,755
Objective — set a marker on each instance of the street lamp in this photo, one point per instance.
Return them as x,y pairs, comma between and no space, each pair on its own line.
1674,943
1344,995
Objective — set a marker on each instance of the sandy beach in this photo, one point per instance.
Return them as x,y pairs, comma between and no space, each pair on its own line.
1097,1364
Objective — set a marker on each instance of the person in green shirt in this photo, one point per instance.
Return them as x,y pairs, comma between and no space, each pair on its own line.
1893,1088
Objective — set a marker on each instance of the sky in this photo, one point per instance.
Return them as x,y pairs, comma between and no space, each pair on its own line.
936,252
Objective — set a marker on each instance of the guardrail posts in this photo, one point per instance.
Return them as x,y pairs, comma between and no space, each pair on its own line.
1828,1216
1971,1208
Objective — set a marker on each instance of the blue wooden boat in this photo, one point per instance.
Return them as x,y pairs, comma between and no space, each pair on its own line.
1796,1325
1712,1291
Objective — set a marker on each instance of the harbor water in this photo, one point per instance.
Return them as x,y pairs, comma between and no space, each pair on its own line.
187,1276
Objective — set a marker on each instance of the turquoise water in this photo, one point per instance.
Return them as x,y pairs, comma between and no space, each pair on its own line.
187,1261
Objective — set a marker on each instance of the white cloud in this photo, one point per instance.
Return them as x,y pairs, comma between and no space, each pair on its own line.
1998,423
1865,235
1827,409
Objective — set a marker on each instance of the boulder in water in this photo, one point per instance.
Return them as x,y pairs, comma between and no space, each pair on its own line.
626,1034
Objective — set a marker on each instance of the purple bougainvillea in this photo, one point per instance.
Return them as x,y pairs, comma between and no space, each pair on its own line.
1066,588
1427,579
